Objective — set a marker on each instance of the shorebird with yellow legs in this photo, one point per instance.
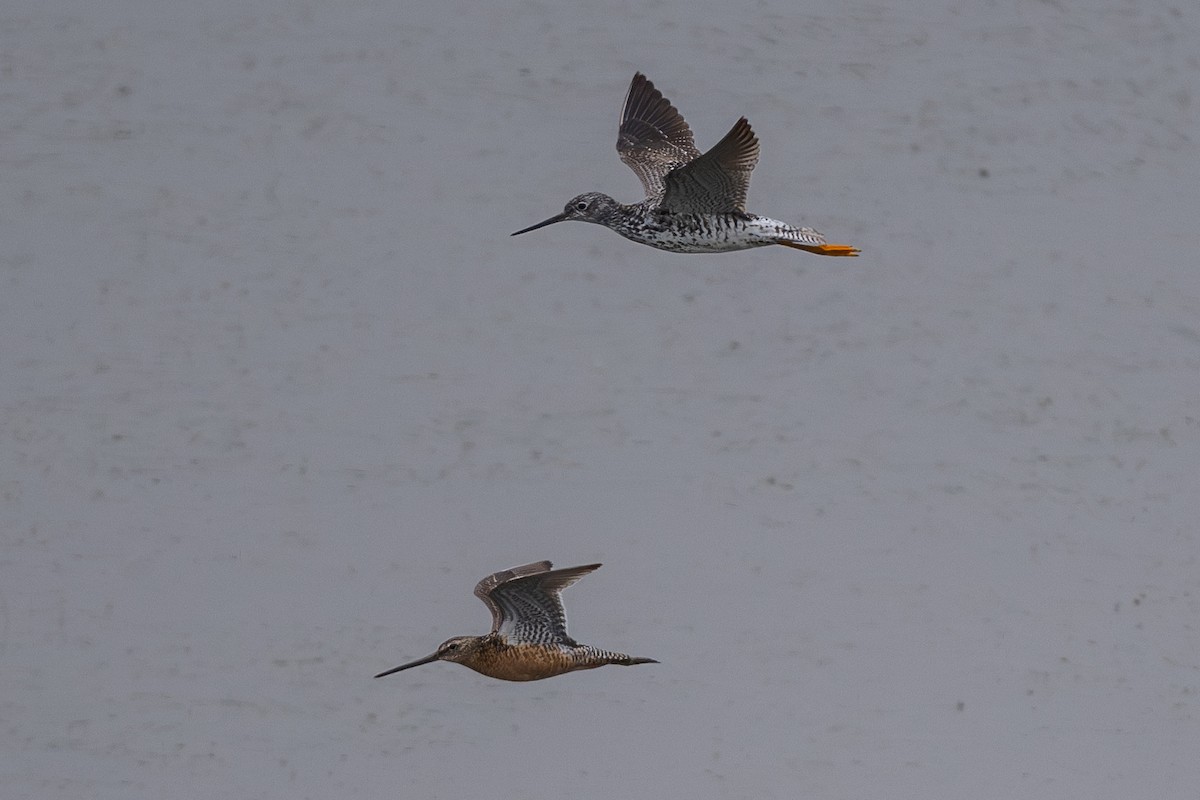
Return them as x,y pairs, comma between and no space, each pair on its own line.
528,640
694,203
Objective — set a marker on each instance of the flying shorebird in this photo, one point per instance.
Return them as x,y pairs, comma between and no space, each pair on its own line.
528,640
694,203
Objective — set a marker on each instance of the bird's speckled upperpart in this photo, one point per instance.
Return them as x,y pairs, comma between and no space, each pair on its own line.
694,203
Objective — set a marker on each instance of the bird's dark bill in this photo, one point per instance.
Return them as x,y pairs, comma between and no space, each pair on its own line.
417,663
542,224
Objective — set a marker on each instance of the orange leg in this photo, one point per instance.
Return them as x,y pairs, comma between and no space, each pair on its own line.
822,249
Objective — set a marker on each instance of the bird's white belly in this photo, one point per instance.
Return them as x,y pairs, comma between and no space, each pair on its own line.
716,233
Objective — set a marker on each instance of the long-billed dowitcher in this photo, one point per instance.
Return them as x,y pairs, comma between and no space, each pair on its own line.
694,203
528,640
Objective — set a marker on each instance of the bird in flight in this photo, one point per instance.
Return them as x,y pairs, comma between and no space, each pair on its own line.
694,203
528,640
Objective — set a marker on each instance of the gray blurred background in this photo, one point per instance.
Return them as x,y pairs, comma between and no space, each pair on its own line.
278,389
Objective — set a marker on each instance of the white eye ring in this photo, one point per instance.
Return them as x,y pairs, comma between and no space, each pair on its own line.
581,206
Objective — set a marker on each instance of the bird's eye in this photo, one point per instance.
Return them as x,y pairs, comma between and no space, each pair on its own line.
581,206
452,646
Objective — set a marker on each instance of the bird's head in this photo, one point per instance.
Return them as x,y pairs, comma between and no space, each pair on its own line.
459,649
589,207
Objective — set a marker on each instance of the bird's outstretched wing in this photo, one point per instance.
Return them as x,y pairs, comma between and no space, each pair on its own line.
525,602
653,139
717,181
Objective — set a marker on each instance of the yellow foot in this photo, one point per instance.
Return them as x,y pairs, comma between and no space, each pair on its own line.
822,249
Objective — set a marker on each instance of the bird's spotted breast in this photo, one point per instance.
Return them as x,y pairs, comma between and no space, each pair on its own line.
526,662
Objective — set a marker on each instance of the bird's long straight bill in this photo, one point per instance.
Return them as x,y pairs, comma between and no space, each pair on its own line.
542,224
417,663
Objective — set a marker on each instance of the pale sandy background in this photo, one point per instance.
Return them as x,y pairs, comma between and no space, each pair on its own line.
277,388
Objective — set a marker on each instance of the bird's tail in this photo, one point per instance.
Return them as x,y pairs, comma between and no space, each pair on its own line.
631,660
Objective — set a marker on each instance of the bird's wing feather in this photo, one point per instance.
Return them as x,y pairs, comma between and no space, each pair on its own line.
654,138
530,609
484,589
717,181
